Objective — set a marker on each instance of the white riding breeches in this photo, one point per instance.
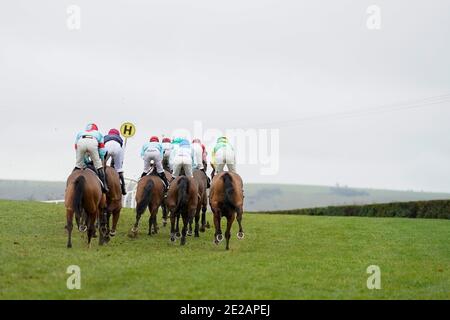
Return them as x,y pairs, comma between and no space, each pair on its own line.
155,155
115,151
225,156
182,161
88,146
198,156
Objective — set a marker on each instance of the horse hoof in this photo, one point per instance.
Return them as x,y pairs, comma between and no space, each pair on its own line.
112,233
197,235
216,242
240,235
189,233
183,241
69,245
172,239
178,235
207,225
82,228
219,237
202,229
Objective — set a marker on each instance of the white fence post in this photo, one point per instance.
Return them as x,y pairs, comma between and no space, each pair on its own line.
129,201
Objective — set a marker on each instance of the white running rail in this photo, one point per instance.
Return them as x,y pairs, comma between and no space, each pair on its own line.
128,201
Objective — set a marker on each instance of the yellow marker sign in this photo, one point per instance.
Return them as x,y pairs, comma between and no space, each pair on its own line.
127,129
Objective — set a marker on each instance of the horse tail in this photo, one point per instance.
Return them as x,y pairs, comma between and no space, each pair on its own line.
229,191
182,195
79,186
145,201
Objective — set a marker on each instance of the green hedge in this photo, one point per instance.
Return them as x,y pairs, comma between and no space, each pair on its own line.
434,209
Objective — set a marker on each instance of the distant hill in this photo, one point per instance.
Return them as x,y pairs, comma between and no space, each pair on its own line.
31,190
272,197
258,197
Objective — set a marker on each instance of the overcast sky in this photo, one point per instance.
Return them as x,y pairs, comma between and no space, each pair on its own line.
234,64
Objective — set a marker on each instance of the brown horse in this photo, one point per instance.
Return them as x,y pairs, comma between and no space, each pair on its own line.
226,199
182,200
113,200
201,179
84,198
165,211
149,194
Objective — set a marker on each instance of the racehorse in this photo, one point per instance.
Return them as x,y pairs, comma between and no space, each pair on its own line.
165,211
226,199
113,200
150,194
201,179
84,198
182,200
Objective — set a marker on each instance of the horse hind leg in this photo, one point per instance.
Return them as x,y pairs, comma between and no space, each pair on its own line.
184,230
69,227
172,227
240,234
103,229
218,237
152,224
115,220
91,228
197,218
164,213
134,230
203,225
230,220
177,230
189,232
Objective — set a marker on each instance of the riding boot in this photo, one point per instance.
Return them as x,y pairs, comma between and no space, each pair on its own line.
208,180
101,174
162,175
122,183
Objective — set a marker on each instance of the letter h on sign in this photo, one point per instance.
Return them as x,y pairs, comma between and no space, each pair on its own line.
127,130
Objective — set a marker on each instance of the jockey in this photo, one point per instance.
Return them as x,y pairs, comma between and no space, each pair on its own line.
204,157
199,155
153,151
114,150
90,142
173,151
183,158
167,148
222,154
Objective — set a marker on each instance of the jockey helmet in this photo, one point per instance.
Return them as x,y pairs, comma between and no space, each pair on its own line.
114,132
154,139
222,139
196,140
164,140
91,127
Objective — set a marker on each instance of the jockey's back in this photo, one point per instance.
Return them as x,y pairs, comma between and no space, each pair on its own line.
152,146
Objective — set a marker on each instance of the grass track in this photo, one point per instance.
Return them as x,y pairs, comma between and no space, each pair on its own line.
282,257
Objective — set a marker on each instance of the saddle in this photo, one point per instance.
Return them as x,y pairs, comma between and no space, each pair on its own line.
90,166
152,172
